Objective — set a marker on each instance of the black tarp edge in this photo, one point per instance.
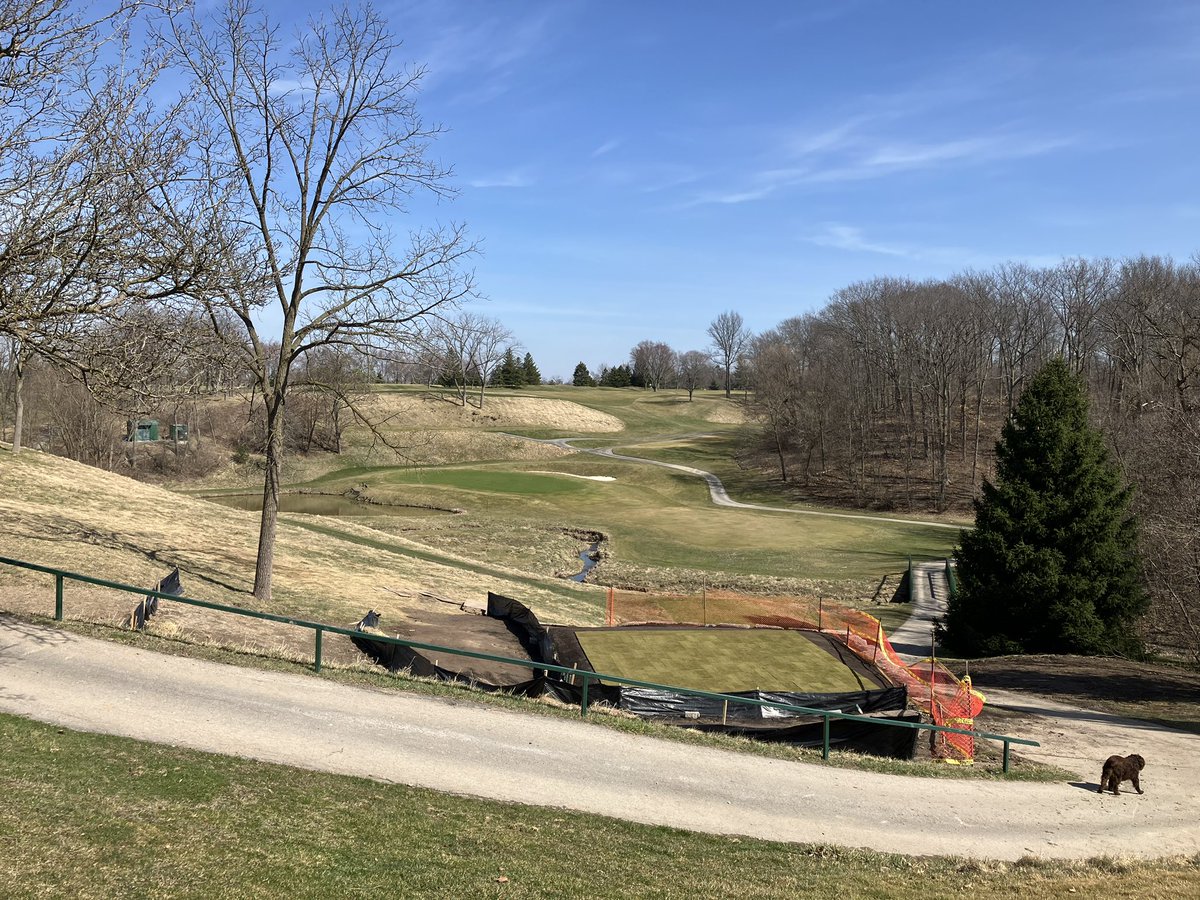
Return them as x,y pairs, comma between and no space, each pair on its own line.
672,707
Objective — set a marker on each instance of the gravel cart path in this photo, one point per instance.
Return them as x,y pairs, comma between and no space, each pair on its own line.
464,748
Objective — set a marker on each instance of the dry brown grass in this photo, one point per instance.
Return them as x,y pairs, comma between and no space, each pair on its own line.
416,429
404,411
727,413
62,514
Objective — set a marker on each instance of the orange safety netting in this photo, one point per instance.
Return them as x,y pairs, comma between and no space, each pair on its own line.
932,688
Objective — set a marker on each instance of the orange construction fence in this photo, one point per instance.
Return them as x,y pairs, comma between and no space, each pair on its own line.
932,688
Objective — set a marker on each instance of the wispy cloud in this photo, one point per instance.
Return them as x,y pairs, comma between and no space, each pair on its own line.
881,160
847,237
515,179
607,147
839,236
485,41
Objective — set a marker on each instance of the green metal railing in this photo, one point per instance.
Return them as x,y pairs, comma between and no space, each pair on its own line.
951,578
320,629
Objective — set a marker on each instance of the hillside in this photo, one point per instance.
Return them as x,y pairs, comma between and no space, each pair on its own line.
516,509
63,514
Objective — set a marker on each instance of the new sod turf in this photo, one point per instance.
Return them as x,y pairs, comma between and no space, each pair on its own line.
719,659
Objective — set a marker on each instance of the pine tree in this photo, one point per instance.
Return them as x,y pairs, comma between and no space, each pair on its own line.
1051,565
617,376
533,375
510,374
582,377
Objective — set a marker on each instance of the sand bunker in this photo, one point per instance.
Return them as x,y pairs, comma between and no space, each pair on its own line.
573,475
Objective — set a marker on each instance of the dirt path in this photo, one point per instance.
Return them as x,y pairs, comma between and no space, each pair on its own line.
460,747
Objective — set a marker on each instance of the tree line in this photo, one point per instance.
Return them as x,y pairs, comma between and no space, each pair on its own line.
654,364
895,392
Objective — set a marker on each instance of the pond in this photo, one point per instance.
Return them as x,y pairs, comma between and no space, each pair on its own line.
325,505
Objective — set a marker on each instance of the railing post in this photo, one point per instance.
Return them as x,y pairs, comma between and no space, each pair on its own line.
1006,746
317,650
825,748
58,597
583,698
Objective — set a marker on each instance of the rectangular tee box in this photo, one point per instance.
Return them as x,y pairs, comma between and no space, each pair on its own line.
723,659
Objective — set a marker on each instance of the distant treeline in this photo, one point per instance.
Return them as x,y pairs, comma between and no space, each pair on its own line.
894,393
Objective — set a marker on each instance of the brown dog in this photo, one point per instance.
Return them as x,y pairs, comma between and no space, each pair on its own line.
1121,768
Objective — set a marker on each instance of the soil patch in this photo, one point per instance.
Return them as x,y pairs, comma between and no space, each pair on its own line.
1169,695
466,631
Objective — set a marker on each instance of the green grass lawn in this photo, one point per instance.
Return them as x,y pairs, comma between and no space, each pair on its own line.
654,518
493,480
647,413
88,815
719,660
662,529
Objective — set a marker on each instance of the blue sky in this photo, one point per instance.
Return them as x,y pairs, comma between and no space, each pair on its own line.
634,168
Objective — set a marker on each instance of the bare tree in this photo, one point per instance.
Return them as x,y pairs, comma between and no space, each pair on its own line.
491,346
654,363
95,221
328,383
469,347
729,340
695,369
314,146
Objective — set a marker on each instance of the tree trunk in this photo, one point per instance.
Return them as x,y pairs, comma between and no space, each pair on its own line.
779,451
270,507
19,398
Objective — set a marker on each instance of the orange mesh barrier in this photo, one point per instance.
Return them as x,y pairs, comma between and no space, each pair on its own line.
932,688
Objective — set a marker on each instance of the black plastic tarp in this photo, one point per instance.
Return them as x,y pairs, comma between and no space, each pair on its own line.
653,702
519,619
861,737
702,713
148,605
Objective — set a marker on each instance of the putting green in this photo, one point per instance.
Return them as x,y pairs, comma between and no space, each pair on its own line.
719,659
491,481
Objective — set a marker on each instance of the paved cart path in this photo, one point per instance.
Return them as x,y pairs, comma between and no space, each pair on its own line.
929,592
466,748
716,488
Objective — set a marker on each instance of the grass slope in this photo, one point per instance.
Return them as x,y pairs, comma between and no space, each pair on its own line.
663,530
63,514
722,661
97,816
655,519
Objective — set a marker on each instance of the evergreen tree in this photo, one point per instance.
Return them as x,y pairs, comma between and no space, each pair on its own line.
532,375
1051,565
582,377
510,373
617,376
